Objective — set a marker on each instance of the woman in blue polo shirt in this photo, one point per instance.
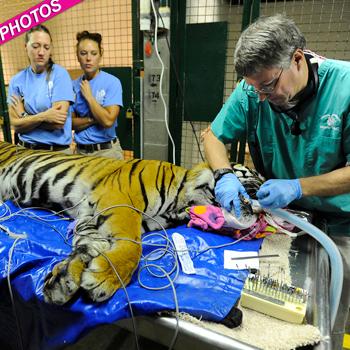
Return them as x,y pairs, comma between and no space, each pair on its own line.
98,102
39,97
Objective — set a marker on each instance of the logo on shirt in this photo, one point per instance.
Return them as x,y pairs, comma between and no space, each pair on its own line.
49,88
100,96
330,121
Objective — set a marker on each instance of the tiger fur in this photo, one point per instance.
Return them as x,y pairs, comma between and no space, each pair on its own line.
89,188
86,186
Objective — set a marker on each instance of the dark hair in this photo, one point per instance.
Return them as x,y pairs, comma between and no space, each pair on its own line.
97,37
41,28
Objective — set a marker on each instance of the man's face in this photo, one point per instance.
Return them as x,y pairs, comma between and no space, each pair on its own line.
39,50
280,85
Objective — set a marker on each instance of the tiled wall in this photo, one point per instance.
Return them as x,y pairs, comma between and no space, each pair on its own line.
325,24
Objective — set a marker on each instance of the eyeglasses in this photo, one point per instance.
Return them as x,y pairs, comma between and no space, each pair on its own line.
267,89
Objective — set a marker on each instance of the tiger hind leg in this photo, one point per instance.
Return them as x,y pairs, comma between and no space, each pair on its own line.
65,279
101,262
113,268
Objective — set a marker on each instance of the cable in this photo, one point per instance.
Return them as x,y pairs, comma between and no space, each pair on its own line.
148,266
53,212
165,273
127,297
161,79
12,298
17,237
176,304
7,209
18,325
162,250
181,89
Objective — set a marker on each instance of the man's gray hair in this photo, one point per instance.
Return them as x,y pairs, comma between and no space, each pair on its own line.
270,42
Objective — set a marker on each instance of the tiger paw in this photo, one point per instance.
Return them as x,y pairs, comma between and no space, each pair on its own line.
64,280
101,280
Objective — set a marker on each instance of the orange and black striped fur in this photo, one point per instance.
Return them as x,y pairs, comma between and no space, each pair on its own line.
89,187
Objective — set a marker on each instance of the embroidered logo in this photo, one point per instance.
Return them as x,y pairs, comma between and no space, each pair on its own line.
49,88
330,121
100,95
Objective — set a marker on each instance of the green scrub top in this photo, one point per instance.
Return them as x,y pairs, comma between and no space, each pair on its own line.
323,146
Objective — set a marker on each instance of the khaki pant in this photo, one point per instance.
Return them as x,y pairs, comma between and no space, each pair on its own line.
115,152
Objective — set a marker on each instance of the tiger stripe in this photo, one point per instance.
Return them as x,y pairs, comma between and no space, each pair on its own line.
86,186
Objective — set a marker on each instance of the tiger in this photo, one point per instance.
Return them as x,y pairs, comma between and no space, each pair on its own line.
113,202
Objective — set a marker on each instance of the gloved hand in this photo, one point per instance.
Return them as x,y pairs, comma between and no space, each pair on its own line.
278,193
227,192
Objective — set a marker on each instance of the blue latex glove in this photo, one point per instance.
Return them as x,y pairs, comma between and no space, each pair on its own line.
227,191
278,193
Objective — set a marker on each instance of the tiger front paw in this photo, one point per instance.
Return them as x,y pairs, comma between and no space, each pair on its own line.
64,280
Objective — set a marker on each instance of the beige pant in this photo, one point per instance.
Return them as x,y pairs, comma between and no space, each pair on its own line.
115,152
343,244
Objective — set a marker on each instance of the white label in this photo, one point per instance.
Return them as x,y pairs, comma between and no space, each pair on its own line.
236,260
182,252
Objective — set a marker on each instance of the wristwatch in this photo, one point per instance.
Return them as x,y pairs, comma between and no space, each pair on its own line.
24,114
219,173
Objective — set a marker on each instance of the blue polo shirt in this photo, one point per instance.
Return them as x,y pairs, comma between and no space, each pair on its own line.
107,90
39,93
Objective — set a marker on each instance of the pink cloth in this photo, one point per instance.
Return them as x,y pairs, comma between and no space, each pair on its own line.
206,217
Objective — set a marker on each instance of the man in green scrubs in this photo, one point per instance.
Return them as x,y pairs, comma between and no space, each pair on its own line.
293,107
